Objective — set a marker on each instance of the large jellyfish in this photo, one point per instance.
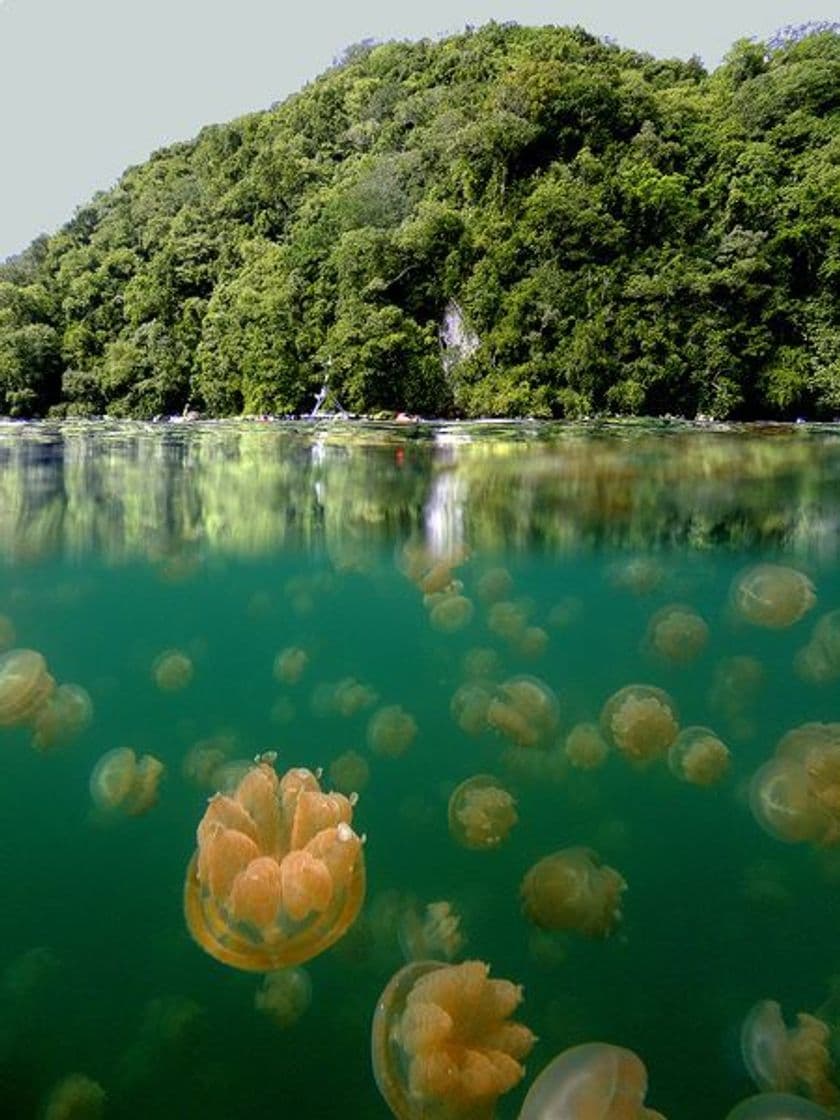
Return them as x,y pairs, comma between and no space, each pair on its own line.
796,795
819,660
481,813
350,772
795,1059
595,1081
572,890
443,1047
641,721
434,932
450,613
677,634
25,686
122,783
698,757
772,596
279,872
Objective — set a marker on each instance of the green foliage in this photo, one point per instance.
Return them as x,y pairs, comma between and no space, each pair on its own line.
622,233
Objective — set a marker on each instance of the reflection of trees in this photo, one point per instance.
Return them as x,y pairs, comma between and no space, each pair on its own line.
170,492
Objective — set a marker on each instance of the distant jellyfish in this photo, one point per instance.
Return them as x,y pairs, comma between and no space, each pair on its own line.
172,670
205,759
284,996
469,706
525,711
451,613
282,711
677,634
481,663
25,686
641,575
351,696
772,596
698,757
75,1097
508,619
641,721
565,612
62,718
349,773
290,664
819,660
532,642
433,933
122,784
589,1081
391,731
279,873
795,1059
573,890
795,796
481,813
585,747
442,1041
494,584
777,1106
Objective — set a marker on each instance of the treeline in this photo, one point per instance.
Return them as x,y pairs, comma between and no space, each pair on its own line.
616,232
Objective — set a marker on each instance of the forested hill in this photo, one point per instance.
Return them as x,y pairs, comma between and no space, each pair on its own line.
602,231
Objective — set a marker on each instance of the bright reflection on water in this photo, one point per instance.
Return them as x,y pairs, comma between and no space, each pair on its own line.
213,587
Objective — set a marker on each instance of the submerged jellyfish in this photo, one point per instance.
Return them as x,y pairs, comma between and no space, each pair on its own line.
172,670
481,663
699,757
788,1058
64,716
25,686
641,721
495,584
451,613
819,660
469,706
442,1043
279,873
640,575
796,795
289,664
677,634
284,996
122,783
772,596
350,772
391,731
595,1080
777,1106
585,747
572,890
525,711
75,1097
434,933
481,813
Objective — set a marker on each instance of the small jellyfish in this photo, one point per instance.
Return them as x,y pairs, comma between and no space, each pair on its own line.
589,1081
391,731
204,760
120,783
62,718
533,642
434,933
451,614
279,873
290,664
699,757
772,596
443,1044
481,813
525,711
572,890
494,584
75,1097
777,1106
481,663
172,670
508,619
469,706
349,773
796,795
639,575
351,696
284,996
795,1059
25,686
641,721
585,747
677,634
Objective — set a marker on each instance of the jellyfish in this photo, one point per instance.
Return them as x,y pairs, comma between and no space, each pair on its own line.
508,619
532,642
641,721
206,758
572,890
25,686
639,575
443,1044
122,783
349,773
819,660
469,706
495,583
451,613
62,718
481,813
586,748
75,1097
433,933
796,795
677,634
481,663
795,1059
592,1080
351,696
525,711
698,756
772,596
172,670
284,996
289,664
279,873
777,1106
391,731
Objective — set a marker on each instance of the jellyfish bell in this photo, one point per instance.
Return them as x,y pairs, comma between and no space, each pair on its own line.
641,721
120,783
525,711
451,613
508,619
782,1058
290,664
442,1043
585,747
495,583
481,813
572,890
640,575
533,642
391,731
698,757
25,686
593,1080
284,996
777,1106
676,634
772,596
172,670
62,718
349,773
796,795
75,1097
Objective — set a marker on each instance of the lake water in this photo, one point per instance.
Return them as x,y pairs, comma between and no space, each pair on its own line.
232,542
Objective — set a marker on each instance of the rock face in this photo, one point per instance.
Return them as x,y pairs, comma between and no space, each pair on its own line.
457,340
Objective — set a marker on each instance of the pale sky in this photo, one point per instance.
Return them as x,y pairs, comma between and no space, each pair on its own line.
89,87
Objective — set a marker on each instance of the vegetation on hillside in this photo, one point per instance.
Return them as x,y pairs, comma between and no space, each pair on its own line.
620,234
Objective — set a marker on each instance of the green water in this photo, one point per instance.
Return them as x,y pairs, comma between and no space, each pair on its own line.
233,542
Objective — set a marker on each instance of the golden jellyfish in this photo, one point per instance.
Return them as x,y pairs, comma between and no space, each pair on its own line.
495,583
443,1044
595,1081
533,642
451,613
525,711
76,1097
62,718
290,664
639,575
391,731
284,996
25,686
172,670
433,933
573,890
699,757
481,813
481,663
349,773
279,873
585,747
641,721
772,596
795,1059
777,1106
508,619
819,661
350,696
469,706
677,634
205,759
122,783
796,795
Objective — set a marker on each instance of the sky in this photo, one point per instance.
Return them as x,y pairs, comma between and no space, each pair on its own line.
90,87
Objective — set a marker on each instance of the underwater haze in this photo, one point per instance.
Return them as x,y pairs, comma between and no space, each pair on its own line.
218,592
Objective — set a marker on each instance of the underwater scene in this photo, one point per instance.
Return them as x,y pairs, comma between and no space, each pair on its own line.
368,770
